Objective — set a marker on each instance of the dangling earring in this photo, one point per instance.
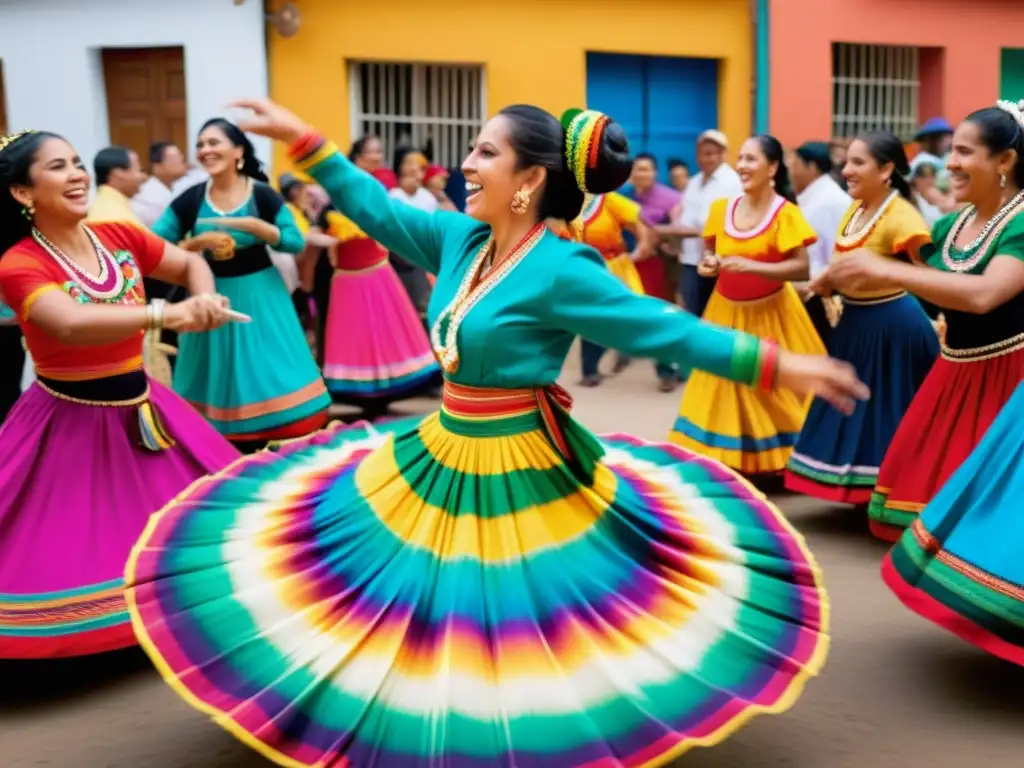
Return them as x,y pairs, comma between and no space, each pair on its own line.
772,182
888,181
520,202
240,164
1002,181
28,211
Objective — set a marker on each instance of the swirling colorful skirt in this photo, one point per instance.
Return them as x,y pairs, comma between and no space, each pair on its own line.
959,399
376,346
254,381
749,430
452,591
892,344
77,492
959,565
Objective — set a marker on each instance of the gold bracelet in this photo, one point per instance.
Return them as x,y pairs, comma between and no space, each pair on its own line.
157,314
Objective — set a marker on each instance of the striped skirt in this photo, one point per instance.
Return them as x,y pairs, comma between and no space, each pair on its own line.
489,585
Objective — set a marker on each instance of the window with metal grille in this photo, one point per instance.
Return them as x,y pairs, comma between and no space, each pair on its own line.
875,87
436,106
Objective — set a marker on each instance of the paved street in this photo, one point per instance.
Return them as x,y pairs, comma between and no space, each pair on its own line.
896,693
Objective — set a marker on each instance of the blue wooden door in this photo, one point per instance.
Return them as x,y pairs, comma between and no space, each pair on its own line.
663,102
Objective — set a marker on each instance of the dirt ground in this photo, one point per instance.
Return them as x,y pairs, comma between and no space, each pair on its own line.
896,692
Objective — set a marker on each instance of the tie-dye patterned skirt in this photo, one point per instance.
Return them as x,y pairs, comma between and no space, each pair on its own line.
487,586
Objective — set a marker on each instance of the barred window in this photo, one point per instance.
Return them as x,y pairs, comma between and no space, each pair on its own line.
416,105
875,87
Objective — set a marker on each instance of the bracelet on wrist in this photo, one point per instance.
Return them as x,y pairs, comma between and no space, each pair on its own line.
155,314
768,367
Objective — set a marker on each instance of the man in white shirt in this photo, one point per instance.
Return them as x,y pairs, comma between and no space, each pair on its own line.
167,166
715,180
823,203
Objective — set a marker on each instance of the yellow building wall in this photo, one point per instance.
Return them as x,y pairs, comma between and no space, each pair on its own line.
533,51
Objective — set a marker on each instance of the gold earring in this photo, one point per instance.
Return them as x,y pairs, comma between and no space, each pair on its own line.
772,181
520,202
1002,181
888,181
240,164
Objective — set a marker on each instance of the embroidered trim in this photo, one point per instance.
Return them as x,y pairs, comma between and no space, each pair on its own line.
760,228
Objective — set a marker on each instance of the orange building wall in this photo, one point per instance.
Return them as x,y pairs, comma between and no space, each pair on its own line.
955,81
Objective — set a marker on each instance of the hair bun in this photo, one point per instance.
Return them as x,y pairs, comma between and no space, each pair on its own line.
596,151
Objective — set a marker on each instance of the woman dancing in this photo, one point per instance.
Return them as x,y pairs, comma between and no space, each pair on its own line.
601,225
883,333
544,595
93,447
976,277
254,382
757,244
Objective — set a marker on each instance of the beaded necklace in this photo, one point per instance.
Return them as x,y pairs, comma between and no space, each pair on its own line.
971,254
851,236
108,285
444,339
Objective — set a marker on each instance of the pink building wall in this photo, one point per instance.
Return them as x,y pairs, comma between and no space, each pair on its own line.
960,75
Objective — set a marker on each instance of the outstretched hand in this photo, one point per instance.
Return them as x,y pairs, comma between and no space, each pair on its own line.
271,120
832,380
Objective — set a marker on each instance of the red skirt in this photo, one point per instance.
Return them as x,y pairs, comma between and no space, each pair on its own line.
957,402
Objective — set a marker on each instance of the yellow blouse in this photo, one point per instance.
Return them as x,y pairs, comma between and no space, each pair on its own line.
899,232
603,219
782,230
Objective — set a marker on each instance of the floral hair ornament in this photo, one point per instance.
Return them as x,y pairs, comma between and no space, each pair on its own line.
10,138
583,131
1014,109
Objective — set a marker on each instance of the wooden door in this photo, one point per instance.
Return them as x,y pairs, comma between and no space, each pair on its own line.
145,97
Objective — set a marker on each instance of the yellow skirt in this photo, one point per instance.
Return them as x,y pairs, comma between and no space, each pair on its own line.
622,267
744,428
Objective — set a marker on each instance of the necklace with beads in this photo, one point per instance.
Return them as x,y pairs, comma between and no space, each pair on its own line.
968,257
853,235
445,330
106,286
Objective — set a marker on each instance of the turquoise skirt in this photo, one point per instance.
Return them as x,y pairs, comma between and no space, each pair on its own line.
258,380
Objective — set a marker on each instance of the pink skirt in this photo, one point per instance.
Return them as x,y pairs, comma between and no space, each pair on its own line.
375,345
76,493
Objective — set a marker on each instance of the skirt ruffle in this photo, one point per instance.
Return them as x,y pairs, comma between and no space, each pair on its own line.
949,415
960,563
254,381
76,494
376,346
747,429
892,345
421,596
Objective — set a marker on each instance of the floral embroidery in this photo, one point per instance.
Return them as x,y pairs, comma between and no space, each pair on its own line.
132,293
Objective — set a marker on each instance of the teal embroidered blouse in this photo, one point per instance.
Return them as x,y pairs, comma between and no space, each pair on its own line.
519,334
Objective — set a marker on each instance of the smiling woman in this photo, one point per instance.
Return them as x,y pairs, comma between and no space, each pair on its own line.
93,446
549,596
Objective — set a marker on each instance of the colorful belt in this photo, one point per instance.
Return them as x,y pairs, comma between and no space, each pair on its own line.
873,300
552,403
125,390
988,352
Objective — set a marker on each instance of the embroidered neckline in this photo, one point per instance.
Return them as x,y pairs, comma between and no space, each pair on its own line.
107,286
218,211
760,228
847,240
444,340
591,209
973,253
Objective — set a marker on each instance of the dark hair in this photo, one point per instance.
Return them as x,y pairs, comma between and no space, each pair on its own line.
538,139
885,147
648,157
157,150
109,160
15,162
1000,132
675,162
772,150
251,165
359,146
816,153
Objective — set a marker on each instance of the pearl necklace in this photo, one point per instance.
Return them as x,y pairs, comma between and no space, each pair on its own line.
444,339
851,236
108,285
973,252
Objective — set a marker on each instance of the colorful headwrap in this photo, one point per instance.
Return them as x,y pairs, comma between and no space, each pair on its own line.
583,131
10,138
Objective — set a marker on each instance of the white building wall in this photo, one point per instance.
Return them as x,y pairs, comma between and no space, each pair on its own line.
53,67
